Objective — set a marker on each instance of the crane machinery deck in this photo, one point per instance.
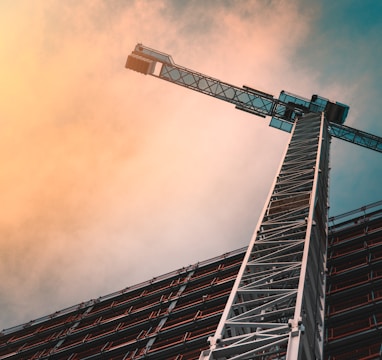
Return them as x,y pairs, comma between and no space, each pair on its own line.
276,306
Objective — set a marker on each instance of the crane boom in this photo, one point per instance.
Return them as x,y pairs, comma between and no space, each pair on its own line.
283,110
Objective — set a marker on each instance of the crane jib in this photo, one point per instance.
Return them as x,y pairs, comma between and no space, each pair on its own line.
283,111
243,99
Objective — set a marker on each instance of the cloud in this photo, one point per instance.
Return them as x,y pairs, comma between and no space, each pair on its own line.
109,177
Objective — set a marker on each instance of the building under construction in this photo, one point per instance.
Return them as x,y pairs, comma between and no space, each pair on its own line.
172,316
305,288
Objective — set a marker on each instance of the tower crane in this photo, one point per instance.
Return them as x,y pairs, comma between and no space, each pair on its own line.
276,306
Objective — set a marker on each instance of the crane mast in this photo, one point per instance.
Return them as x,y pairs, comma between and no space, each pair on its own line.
276,307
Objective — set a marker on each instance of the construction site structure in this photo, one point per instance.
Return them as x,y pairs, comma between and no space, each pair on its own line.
353,327
171,316
267,302
276,306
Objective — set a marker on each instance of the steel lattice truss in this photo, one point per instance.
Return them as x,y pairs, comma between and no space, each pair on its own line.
276,306
246,99
284,110
356,136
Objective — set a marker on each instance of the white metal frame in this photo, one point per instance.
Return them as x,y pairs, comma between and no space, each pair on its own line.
276,307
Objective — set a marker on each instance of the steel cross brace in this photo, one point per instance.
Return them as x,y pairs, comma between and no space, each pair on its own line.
276,307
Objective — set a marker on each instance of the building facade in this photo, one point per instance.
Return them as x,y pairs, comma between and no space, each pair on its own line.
171,317
354,286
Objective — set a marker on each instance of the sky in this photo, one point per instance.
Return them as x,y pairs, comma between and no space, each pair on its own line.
109,178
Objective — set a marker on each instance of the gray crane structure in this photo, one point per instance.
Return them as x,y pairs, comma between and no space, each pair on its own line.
276,306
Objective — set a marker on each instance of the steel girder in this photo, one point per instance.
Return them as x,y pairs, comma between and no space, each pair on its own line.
276,307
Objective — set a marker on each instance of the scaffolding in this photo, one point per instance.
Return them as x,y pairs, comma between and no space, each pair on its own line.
354,286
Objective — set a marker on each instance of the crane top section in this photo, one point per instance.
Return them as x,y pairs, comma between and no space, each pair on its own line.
335,111
283,111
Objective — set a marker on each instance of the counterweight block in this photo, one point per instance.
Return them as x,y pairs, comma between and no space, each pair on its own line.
140,64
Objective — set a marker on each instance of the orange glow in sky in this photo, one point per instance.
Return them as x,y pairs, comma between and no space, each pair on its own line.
108,177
